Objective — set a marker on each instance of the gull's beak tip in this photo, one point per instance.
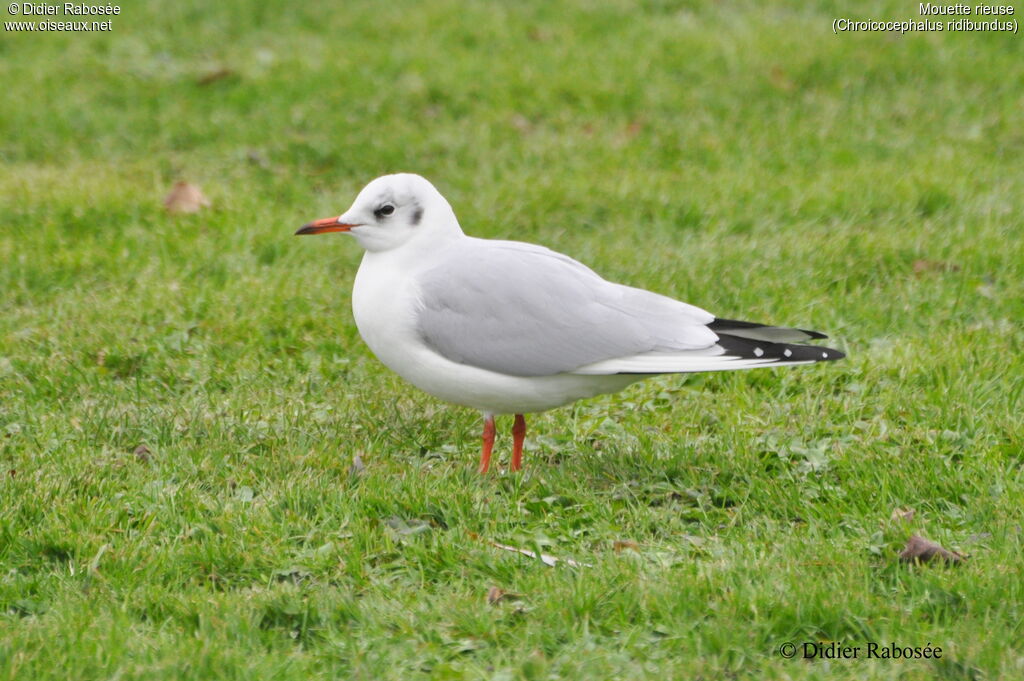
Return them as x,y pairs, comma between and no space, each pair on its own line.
323,226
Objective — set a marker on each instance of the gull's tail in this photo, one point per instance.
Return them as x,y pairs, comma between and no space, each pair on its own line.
741,345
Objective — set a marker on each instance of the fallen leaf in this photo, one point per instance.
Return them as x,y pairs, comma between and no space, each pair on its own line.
521,123
779,79
465,646
922,266
633,129
538,35
904,515
494,595
257,159
94,564
143,454
185,198
406,528
921,550
292,574
623,544
214,76
548,560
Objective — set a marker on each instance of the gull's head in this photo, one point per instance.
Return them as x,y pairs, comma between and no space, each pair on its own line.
392,211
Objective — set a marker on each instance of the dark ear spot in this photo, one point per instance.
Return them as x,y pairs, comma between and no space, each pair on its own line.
417,215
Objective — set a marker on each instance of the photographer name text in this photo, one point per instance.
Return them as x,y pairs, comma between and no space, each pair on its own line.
67,9
835,650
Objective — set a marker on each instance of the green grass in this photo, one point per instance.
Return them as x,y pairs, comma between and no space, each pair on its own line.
736,155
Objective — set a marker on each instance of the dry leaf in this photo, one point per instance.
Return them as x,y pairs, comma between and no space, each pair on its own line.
623,544
922,266
904,515
407,528
257,159
538,35
521,123
921,550
143,454
548,560
215,75
496,594
185,198
633,129
779,79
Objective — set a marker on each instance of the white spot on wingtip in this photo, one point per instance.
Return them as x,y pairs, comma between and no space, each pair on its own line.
787,352
824,355
758,352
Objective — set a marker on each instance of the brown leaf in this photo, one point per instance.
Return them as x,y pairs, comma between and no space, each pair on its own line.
634,128
921,550
538,35
779,79
922,266
215,75
185,198
143,454
623,544
496,594
904,515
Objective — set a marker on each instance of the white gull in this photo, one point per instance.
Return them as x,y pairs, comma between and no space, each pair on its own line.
507,327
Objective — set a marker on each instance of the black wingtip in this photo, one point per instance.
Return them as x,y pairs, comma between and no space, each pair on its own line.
764,332
747,348
833,354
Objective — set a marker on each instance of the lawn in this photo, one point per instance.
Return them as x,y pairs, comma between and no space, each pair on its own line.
204,473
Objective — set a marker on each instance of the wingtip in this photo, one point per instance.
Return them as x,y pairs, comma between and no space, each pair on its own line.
831,354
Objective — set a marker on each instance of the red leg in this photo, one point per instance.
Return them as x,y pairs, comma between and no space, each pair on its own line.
485,451
518,435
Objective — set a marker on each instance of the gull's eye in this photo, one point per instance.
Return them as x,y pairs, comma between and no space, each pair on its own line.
384,211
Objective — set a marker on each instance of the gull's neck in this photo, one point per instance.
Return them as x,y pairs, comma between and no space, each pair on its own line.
418,250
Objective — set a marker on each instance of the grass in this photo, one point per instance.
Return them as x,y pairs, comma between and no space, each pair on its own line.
739,156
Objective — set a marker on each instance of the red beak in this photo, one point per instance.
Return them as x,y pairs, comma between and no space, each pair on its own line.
324,226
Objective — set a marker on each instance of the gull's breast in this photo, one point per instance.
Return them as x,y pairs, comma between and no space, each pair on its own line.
385,304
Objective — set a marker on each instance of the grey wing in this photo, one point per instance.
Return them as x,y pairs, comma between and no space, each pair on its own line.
524,310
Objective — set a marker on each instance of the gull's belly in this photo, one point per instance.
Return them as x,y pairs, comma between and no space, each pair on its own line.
385,312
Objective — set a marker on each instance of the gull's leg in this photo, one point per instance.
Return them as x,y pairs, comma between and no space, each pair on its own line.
518,435
485,451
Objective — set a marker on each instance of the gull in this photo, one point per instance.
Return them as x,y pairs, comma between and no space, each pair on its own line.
507,327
